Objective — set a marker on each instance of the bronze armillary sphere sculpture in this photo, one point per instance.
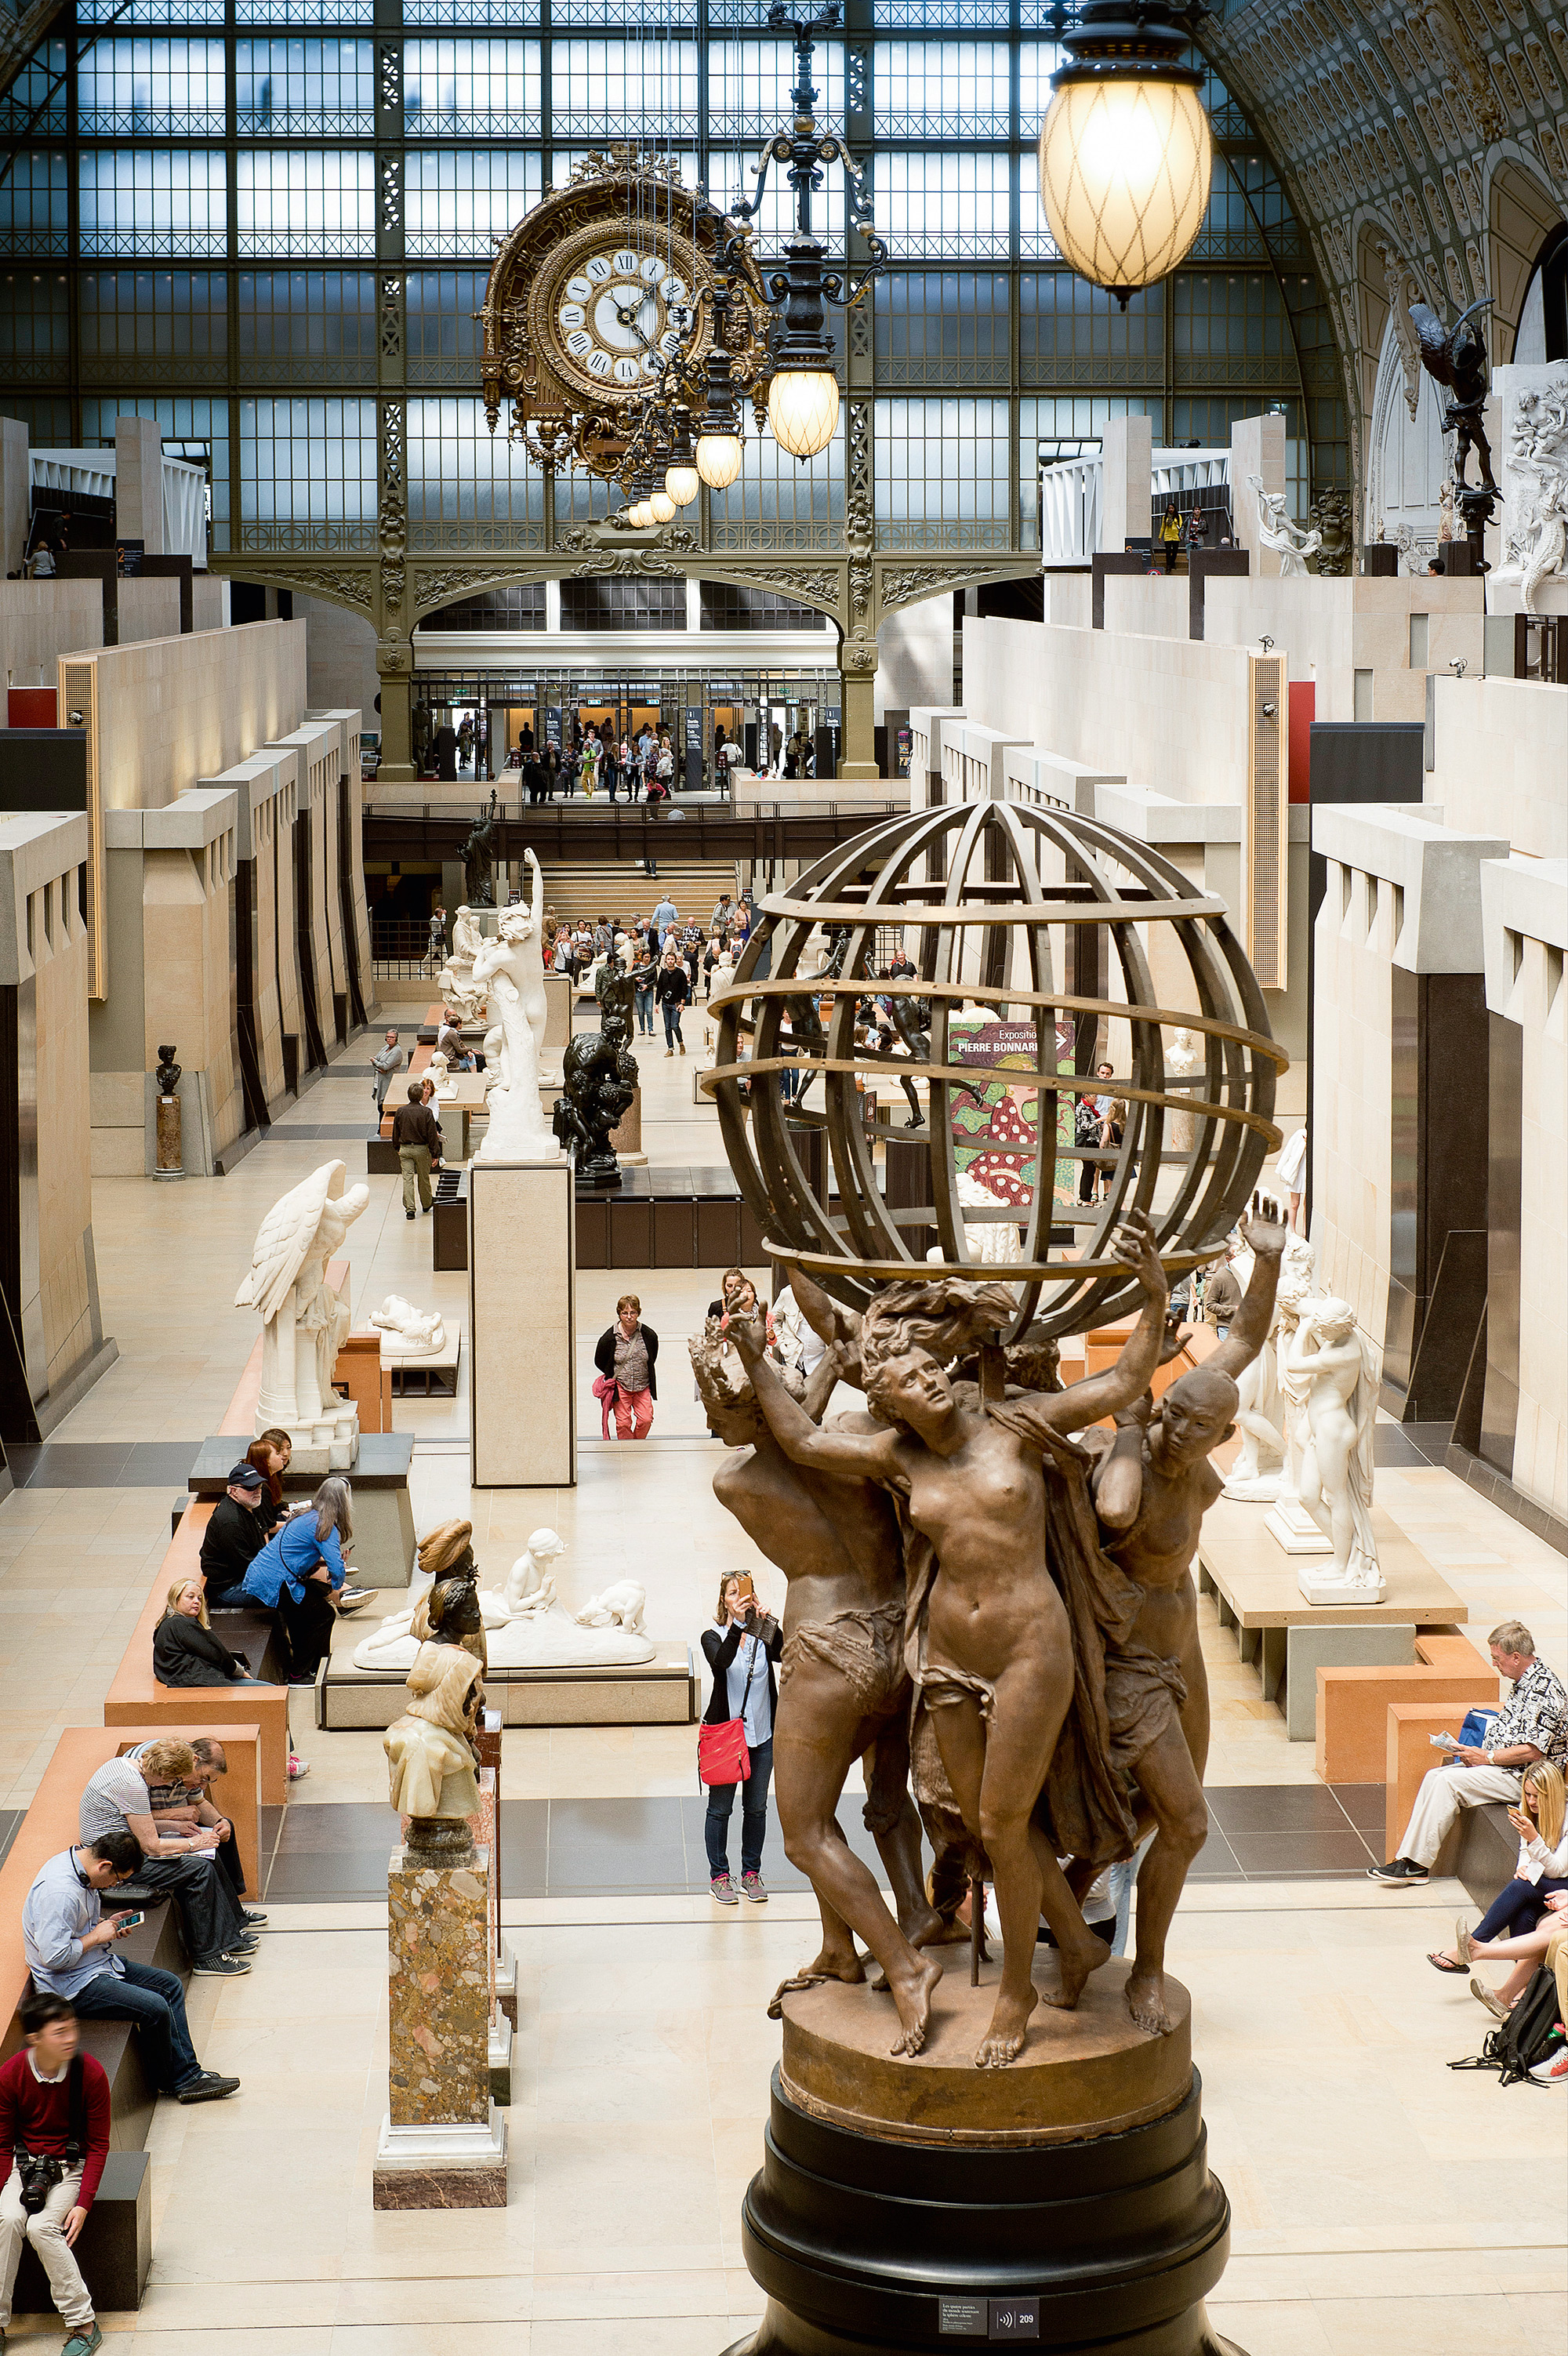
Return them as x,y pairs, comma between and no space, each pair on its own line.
1002,905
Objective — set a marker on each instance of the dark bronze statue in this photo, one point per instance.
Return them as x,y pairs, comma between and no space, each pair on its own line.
600,1075
1455,358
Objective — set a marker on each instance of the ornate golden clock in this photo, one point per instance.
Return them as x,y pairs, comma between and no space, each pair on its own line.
602,281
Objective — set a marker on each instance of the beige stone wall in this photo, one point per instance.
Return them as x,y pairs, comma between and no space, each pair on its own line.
291,1022
266,822
1352,1141
1540,1435
189,982
67,1282
148,609
40,621
1501,750
175,709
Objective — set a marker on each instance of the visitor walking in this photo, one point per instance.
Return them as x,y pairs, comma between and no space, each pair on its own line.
645,973
417,1141
740,1649
672,990
625,1383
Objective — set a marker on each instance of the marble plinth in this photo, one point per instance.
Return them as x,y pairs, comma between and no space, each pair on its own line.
438,1936
1292,1527
440,2167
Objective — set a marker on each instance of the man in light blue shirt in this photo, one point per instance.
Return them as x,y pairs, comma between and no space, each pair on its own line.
68,1943
666,917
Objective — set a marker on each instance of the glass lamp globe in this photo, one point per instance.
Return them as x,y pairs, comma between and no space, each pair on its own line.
662,506
681,483
803,410
719,459
637,516
1124,172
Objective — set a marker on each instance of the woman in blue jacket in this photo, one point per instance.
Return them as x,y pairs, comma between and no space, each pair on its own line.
300,1572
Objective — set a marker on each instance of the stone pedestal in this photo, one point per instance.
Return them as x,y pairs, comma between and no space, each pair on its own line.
907,2201
170,1162
443,2144
521,1292
1290,1525
626,1138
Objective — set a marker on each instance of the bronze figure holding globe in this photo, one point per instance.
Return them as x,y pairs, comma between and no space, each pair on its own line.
1049,1620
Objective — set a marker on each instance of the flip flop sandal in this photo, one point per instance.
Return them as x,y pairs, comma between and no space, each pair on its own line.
1441,1964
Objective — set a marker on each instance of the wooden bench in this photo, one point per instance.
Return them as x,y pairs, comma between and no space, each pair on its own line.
114,2252
1407,1753
1353,1704
136,1698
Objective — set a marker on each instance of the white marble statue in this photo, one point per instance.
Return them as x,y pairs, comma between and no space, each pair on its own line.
527,1626
1290,544
1337,1365
1258,1474
993,1243
1183,1058
456,979
303,1321
407,1332
511,969
620,1606
1535,481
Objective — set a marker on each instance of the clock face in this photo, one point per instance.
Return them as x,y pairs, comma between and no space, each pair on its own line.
614,302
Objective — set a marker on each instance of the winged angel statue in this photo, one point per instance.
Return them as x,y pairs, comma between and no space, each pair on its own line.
303,1321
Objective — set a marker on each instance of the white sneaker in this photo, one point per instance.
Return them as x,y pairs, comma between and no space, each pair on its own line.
1553,2071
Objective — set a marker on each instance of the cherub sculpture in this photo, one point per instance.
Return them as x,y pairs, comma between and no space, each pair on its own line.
408,1331
303,1321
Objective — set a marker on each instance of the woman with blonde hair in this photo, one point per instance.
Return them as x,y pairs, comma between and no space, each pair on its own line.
185,1649
1540,1872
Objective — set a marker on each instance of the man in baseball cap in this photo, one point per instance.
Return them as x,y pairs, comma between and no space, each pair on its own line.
234,1535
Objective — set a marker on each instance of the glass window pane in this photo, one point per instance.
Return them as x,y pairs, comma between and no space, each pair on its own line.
153,201
306,200
150,12
304,12
152,89
1068,329
955,202
35,105
749,85
942,89
471,90
442,336
34,323
312,89
35,204
941,472
154,315
456,199
196,430
624,89
305,323
461,473
1038,61
778,502
946,328
308,462
480,13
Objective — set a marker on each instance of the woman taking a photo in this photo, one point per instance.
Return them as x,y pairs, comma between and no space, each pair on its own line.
185,1649
301,1575
740,1649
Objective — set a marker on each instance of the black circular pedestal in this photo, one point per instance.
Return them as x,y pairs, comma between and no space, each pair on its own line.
1107,2243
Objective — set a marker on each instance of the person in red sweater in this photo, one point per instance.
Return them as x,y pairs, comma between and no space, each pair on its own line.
39,2088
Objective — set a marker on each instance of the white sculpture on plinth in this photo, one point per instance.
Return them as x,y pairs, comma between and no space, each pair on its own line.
512,969
1535,482
407,1332
1182,1059
456,979
1335,1366
1290,544
303,1321
1258,1475
527,1626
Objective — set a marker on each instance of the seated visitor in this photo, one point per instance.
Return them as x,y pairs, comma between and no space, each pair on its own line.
1546,1943
1532,1725
186,1800
185,1649
301,1575
233,1537
54,2110
69,1943
1541,1870
270,1456
218,1938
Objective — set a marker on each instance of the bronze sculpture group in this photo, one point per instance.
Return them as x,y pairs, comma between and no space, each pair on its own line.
1007,1609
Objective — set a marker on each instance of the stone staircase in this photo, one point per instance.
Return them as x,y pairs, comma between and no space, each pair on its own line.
595,888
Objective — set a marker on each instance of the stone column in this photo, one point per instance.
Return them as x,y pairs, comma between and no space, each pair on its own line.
139,483
16,494
857,758
443,2142
1126,456
394,669
1257,447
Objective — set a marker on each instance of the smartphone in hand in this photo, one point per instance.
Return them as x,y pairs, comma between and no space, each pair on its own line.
128,1922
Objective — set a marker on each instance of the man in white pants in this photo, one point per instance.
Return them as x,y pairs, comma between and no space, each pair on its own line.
1532,1724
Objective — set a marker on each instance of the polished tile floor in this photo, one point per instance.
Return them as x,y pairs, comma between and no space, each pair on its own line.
1366,2216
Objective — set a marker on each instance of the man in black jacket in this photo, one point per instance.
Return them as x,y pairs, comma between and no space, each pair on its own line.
235,1535
417,1137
